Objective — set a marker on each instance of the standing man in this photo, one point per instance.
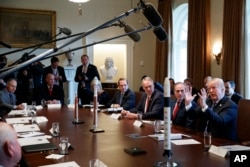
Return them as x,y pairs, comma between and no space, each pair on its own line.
124,97
57,70
8,98
218,113
151,104
85,73
10,150
230,92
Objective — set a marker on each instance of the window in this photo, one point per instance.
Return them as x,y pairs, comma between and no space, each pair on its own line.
179,57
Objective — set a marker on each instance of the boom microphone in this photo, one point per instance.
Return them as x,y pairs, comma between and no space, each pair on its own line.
5,44
65,30
134,36
151,14
160,33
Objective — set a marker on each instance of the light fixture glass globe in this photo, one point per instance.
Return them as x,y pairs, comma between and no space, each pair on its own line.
79,1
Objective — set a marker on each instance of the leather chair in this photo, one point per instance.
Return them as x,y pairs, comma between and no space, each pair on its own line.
243,122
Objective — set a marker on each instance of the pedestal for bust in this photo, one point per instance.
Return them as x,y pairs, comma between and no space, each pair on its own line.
71,86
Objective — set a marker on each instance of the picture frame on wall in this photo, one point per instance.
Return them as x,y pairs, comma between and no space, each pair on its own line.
22,28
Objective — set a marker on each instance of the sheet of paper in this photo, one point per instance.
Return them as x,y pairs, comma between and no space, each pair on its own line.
54,156
54,105
185,142
160,136
29,134
32,140
41,119
19,120
17,112
64,164
26,128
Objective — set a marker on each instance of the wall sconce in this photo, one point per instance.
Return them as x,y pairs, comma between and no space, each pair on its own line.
217,53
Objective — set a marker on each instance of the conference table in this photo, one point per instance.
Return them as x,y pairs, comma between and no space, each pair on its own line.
109,145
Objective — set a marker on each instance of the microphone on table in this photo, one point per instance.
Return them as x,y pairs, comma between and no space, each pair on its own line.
134,36
65,31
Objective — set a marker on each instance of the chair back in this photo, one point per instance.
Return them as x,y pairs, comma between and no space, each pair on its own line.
243,121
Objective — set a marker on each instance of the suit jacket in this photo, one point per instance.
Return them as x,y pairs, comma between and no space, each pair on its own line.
128,100
43,93
183,117
236,97
90,74
60,71
155,108
5,104
220,119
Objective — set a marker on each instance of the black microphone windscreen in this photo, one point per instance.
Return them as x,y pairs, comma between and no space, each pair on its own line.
134,36
65,31
152,14
160,33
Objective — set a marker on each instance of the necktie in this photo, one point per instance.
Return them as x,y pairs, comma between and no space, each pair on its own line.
121,97
50,90
147,104
11,99
84,68
176,108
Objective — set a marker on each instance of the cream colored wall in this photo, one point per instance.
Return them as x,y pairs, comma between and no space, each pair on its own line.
95,12
216,33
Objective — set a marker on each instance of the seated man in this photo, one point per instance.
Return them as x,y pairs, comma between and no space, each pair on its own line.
124,97
10,150
8,98
51,93
218,114
182,114
151,104
230,93
157,85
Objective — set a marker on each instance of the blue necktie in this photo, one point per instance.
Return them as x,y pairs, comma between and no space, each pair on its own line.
11,99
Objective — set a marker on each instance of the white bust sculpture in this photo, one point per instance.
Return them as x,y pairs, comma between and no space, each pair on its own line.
108,71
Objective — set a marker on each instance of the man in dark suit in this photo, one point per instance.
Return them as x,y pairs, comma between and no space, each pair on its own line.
230,91
124,97
57,70
182,108
151,103
218,114
8,98
85,73
51,93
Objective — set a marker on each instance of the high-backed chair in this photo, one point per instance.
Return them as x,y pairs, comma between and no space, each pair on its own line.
243,121
137,97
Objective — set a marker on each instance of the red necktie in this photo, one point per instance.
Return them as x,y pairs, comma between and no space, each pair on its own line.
147,104
176,108
50,90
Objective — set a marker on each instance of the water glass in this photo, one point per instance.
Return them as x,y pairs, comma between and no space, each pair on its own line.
55,129
157,126
64,144
207,140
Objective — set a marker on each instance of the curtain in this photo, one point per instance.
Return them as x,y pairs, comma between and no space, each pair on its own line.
233,46
164,49
198,43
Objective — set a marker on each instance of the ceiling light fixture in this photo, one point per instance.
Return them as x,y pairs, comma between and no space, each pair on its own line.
79,4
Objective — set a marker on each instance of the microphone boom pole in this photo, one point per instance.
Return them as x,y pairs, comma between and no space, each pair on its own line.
53,50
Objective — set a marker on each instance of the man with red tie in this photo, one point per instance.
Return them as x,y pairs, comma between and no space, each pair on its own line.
182,111
150,105
51,93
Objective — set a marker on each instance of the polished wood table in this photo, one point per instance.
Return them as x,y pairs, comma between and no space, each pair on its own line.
109,146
